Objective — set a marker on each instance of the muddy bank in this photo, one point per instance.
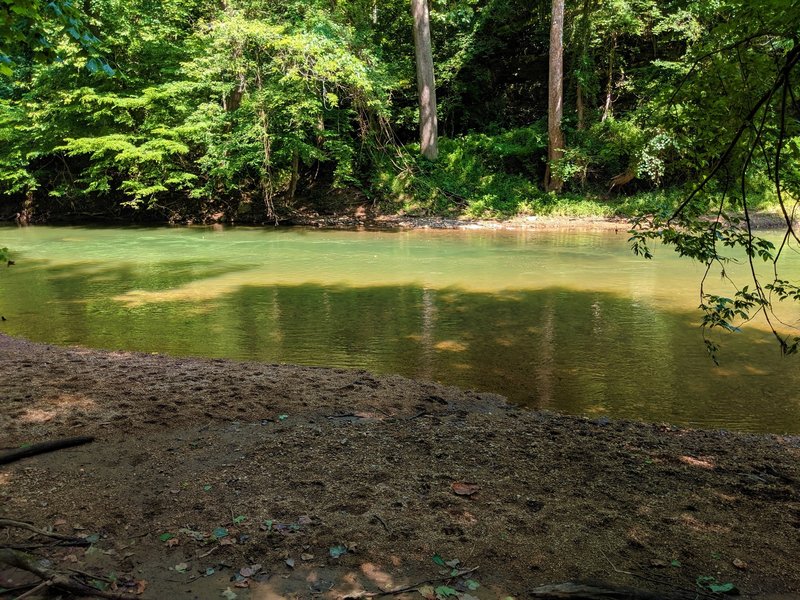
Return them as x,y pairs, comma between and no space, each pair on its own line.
334,481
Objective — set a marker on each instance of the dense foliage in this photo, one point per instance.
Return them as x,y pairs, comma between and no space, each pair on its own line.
250,110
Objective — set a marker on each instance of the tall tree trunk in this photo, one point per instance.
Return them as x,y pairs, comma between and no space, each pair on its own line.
610,81
582,62
555,104
426,85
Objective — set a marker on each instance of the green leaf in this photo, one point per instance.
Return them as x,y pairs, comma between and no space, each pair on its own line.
444,591
166,536
722,588
219,532
439,560
239,519
337,551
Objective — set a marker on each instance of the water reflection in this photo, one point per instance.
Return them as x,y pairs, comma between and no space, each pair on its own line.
605,344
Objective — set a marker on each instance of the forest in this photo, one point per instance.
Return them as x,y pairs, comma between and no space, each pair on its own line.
253,111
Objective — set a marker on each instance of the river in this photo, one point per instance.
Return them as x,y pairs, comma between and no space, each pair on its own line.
560,320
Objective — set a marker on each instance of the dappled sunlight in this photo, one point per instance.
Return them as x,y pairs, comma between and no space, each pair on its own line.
450,346
5,478
37,415
196,291
695,524
47,409
265,591
378,576
701,462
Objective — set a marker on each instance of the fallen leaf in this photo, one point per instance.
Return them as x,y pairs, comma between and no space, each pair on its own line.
444,591
462,488
209,572
242,584
306,556
659,563
290,563
739,564
181,567
59,523
197,535
305,520
337,551
249,571
427,592
141,585
452,563
71,558
229,594
226,542
171,543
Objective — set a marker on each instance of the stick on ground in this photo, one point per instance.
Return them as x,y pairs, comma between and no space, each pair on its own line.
43,447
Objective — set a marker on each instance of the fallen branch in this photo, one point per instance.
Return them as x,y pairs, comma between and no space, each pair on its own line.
52,578
43,447
75,541
19,588
694,594
576,591
408,588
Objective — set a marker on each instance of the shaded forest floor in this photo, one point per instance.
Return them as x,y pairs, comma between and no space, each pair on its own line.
216,479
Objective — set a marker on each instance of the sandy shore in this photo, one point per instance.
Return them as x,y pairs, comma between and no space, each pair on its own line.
336,482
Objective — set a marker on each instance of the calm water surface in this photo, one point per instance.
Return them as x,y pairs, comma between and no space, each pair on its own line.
566,321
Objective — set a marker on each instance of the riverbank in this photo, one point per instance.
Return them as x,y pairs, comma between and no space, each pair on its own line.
337,481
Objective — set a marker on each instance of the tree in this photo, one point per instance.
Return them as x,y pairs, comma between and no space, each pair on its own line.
426,84
36,27
555,103
737,105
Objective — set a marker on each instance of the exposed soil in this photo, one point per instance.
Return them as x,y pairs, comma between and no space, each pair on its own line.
252,464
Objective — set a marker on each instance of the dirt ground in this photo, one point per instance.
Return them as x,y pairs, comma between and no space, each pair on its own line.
218,479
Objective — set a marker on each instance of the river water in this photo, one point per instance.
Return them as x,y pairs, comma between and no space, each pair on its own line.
561,320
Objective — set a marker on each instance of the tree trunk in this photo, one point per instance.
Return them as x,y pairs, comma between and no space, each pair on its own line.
610,82
555,105
295,175
426,85
582,62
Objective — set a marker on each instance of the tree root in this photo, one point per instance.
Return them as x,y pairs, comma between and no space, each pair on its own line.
52,578
74,541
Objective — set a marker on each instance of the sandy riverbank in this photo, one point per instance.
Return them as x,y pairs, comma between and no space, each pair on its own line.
295,465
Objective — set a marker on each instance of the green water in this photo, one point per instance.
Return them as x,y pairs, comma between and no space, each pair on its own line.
566,321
